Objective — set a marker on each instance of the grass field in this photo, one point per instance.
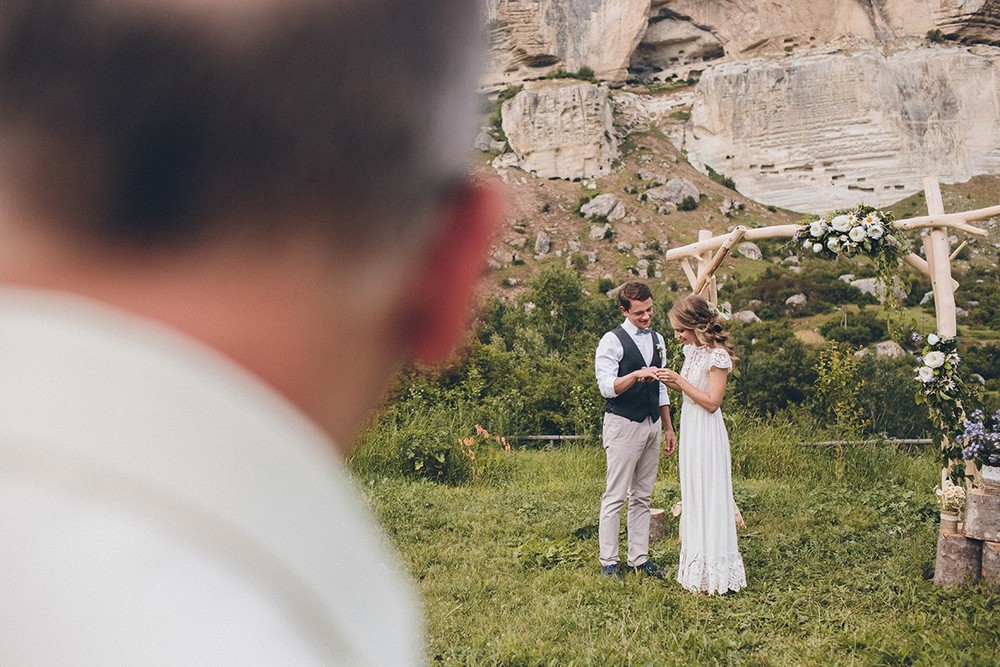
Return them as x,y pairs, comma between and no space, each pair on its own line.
839,552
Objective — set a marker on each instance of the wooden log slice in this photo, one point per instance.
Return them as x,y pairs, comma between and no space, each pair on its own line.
959,560
982,516
656,518
991,562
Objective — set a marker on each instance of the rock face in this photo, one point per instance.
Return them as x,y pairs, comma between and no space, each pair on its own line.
532,38
561,129
675,191
828,130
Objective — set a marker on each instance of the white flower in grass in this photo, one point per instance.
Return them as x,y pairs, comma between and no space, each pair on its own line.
932,339
925,374
841,223
857,234
817,247
876,231
817,228
934,359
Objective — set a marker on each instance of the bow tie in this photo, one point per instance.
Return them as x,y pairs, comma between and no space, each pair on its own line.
644,331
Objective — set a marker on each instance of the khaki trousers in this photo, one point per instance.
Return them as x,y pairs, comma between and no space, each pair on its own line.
633,456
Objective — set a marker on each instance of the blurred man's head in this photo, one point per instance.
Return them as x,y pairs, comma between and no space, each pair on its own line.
149,122
279,178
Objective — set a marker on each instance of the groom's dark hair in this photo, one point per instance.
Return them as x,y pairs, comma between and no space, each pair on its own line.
633,291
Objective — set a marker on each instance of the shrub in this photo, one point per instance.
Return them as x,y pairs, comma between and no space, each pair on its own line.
689,203
776,368
857,329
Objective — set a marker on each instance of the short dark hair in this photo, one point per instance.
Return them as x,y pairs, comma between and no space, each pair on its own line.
633,291
146,124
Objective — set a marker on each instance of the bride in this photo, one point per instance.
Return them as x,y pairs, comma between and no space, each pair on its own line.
710,560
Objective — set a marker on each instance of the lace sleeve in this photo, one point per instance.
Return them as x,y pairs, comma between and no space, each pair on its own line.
687,350
719,358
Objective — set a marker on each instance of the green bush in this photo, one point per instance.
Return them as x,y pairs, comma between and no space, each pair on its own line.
689,203
775,370
857,329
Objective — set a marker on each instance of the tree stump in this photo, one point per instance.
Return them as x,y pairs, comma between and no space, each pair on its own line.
982,516
959,560
656,519
991,562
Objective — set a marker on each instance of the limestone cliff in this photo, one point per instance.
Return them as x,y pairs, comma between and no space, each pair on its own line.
532,38
560,129
826,130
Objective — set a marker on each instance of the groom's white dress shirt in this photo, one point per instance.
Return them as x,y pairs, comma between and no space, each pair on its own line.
161,506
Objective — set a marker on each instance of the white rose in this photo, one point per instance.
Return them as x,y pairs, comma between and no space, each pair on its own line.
833,243
876,231
925,374
841,223
807,244
934,359
932,339
817,247
857,234
817,228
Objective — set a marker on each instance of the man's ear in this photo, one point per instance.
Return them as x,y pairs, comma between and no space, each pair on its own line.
441,297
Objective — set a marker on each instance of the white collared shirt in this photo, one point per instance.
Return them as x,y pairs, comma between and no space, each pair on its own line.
160,505
610,352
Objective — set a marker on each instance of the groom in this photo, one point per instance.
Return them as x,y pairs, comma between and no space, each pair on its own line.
626,364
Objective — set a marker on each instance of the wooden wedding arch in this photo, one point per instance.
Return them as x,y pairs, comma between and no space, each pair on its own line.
962,556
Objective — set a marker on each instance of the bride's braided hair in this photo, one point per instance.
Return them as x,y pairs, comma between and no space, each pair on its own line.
697,315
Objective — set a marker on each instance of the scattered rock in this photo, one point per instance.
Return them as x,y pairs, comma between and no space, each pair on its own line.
754,304
796,299
847,278
674,192
750,250
511,282
598,233
519,242
873,287
889,348
574,246
927,298
542,243
624,246
606,206
745,316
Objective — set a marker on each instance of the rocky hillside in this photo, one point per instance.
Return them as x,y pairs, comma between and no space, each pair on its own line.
656,110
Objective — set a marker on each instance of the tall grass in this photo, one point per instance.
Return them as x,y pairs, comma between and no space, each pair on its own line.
839,550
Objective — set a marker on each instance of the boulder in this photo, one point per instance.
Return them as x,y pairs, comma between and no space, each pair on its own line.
607,206
796,299
874,288
889,348
745,316
561,129
598,233
750,250
542,243
674,192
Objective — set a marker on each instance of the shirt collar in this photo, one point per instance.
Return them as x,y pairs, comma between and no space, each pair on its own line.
630,328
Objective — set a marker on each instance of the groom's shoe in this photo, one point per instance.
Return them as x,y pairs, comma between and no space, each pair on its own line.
611,571
650,569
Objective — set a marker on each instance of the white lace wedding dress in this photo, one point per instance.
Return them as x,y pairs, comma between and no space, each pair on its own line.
710,560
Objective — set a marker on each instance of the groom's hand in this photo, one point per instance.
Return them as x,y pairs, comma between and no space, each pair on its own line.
669,441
